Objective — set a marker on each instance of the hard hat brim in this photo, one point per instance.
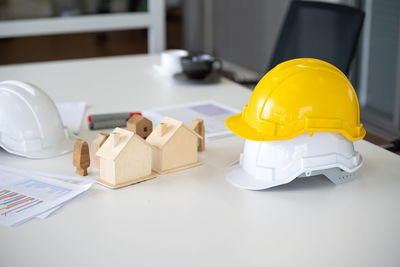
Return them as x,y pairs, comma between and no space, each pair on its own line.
238,126
237,176
63,147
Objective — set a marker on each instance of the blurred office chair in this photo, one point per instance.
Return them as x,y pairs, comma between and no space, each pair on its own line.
393,146
319,30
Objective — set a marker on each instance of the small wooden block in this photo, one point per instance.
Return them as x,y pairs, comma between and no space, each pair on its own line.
142,126
134,181
191,165
162,128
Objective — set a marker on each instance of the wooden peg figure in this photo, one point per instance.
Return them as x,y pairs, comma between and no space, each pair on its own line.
197,125
81,157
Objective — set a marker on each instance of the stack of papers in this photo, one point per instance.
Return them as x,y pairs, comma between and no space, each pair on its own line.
211,112
26,195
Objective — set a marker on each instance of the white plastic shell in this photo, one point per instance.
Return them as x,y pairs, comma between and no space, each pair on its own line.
30,125
266,164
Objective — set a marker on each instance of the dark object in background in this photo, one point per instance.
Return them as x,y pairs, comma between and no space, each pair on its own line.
199,66
107,121
325,31
393,146
212,78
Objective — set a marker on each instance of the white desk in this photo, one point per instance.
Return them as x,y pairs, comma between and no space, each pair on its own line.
195,217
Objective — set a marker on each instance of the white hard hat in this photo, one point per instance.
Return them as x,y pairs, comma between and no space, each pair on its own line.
30,125
266,164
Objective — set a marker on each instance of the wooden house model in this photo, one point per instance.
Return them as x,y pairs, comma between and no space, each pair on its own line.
125,158
174,146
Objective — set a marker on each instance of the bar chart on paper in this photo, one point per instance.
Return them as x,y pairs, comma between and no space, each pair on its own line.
25,194
15,199
12,202
40,189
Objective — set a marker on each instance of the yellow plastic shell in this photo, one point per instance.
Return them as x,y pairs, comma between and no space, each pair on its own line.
297,96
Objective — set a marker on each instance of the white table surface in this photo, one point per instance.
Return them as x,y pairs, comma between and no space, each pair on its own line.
195,217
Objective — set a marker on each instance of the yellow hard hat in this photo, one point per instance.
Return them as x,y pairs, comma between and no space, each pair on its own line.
297,96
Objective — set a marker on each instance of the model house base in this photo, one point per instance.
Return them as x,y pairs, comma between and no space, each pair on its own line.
198,163
133,181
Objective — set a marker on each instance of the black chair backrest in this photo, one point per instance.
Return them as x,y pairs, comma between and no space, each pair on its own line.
319,30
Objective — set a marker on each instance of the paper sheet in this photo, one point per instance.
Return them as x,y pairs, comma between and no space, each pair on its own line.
46,214
72,114
213,113
25,195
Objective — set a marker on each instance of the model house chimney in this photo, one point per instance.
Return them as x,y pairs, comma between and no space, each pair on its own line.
115,137
162,128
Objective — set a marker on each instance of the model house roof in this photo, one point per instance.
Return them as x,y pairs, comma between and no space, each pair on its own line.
172,126
118,139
